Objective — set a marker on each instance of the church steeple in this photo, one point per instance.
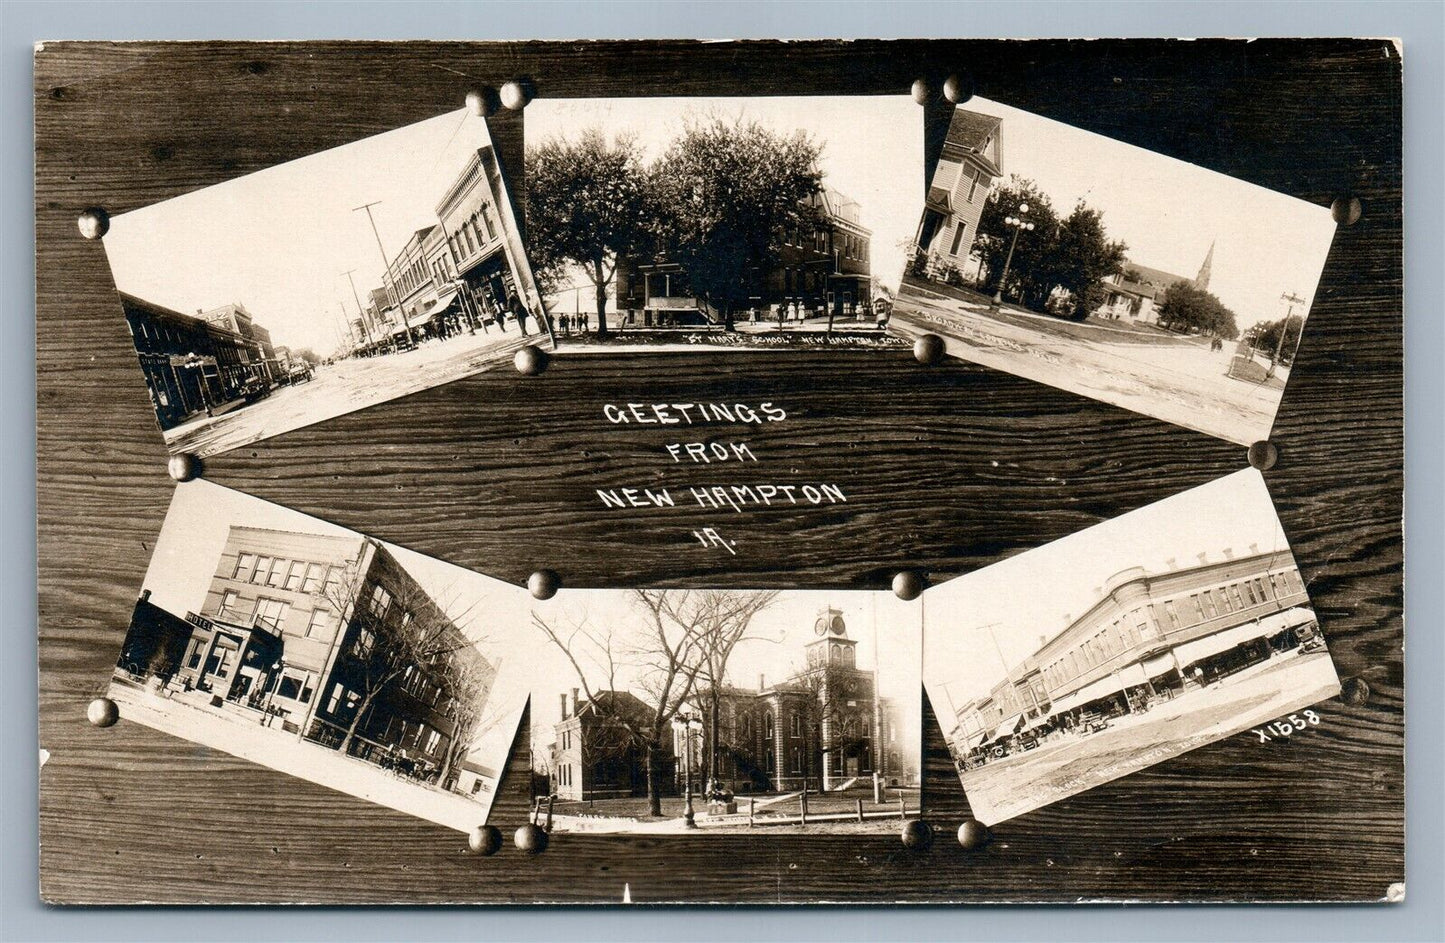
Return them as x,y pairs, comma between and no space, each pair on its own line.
1201,281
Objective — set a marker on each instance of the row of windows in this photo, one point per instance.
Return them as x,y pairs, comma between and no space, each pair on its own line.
409,735
293,575
272,613
564,774
1180,612
467,240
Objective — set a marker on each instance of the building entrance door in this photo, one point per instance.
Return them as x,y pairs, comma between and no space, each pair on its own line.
220,663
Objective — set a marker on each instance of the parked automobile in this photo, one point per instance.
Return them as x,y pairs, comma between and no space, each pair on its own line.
299,373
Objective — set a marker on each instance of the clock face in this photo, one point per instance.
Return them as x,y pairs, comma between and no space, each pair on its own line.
821,626
837,625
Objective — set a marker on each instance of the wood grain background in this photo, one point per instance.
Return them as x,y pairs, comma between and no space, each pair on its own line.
948,468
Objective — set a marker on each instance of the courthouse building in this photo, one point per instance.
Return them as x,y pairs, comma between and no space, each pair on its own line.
822,727
1149,635
824,265
969,165
291,634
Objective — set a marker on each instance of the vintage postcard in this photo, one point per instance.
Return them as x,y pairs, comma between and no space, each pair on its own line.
325,285
1162,630
723,711
1113,272
695,223
326,655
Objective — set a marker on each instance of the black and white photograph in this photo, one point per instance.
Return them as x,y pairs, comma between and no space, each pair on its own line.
1110,271
325,285
1121,646
689,223
670,711
324,654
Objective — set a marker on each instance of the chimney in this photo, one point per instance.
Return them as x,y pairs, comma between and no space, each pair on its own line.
145,595
762,682
563,698
1229,553
1254,548
1203,558
1172,563
574,701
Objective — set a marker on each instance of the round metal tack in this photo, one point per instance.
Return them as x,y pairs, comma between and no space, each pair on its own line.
94,223
917,835
483,101
102,712
1354,691
530,360
1263,455
530,839
928,349
908,584
1346,210
183,466
973,835
543,584
485,840
921,91
517,93
958,87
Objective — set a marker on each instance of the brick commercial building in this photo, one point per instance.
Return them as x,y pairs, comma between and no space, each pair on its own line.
1149,635
300,632
201,364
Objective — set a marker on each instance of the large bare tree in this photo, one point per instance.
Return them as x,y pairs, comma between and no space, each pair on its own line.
671,643
402,632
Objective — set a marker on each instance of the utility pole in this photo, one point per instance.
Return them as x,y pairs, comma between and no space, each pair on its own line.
1292,299
391,281
360,311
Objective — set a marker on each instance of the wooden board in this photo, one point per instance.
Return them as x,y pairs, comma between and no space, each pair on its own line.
947,468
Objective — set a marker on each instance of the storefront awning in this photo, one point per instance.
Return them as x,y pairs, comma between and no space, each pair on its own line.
1156,665
1223,641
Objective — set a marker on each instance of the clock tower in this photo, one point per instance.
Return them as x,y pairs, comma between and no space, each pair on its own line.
847,700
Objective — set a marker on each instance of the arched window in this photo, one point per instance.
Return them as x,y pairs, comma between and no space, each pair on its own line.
768,725
848,657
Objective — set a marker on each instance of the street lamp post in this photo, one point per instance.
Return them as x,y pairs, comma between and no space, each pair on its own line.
1019,225
687,722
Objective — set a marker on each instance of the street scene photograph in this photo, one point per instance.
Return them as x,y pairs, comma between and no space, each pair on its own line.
676,711
703,223
325,285
1106,270
324,654
1160,631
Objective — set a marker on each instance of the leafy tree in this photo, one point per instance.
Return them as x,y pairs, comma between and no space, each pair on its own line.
1078,260
1028,268
587,204
1194,310
727,191
1265,336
